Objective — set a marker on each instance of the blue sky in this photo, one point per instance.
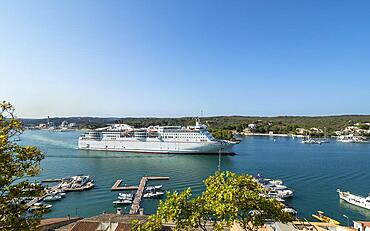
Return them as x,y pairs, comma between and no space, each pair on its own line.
176,58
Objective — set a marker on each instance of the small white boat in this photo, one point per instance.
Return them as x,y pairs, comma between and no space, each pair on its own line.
351,139
310,141
126,195
283,194
62,194
280,199
290,210
52,198
286,193
122,202
150,188
274,185
153,194
40,205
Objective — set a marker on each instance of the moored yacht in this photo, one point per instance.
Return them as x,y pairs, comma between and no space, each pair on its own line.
351,139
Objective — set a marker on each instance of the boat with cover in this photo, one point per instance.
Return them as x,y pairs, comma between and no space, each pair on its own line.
125,195
290,210
40,205
52,198
156,187
122,202
363,202
322,217
153,194
283,194
351,139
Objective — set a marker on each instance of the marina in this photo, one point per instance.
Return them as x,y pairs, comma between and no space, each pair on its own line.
57,192
310,170
140,193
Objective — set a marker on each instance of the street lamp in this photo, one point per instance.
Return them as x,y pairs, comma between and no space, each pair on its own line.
219,159
344,215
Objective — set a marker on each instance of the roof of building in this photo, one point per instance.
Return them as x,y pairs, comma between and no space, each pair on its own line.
123,227
85,226
57,221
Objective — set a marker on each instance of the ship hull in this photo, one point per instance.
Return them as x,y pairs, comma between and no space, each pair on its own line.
354,200
156,146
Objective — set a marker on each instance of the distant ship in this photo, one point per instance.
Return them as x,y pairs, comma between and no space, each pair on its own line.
363,202
154,139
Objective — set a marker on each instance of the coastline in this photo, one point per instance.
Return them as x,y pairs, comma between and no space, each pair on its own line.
271,134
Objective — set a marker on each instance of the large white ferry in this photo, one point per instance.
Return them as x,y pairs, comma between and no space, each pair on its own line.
154,139
363,202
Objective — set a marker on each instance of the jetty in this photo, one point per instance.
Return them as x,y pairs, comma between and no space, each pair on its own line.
117,187
140,190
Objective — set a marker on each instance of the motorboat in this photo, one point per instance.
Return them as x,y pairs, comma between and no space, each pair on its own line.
125,196
283,194
351,139
286,193
150,188
290,210
153,194
52,198
322,217
39,205
122,202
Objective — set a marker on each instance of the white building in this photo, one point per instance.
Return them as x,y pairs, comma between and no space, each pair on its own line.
361,225
252,126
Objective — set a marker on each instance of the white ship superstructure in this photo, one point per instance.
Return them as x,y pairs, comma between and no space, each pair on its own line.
154,139
363,202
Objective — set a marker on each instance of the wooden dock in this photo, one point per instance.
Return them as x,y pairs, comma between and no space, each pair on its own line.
140,191
117,187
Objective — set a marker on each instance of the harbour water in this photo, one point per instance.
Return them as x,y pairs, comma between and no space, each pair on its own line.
314,172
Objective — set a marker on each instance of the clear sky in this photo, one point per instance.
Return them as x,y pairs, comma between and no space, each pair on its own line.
176,58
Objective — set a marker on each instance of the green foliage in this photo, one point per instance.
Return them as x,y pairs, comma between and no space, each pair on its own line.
222,134
152,224
16,163
364,126
278,124
228,197
238,198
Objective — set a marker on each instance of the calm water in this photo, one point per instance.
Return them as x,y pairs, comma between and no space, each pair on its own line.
313,171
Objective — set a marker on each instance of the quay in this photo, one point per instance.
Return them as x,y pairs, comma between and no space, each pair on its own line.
140,191
37,199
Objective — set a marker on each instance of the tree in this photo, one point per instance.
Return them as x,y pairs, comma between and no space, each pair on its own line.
186,212
16,164
240,198
228,197
152,224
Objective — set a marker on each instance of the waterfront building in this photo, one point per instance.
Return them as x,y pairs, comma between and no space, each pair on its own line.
297,226
361,225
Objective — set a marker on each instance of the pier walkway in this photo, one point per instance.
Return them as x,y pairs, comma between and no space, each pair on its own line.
37,199
140,191
116,186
